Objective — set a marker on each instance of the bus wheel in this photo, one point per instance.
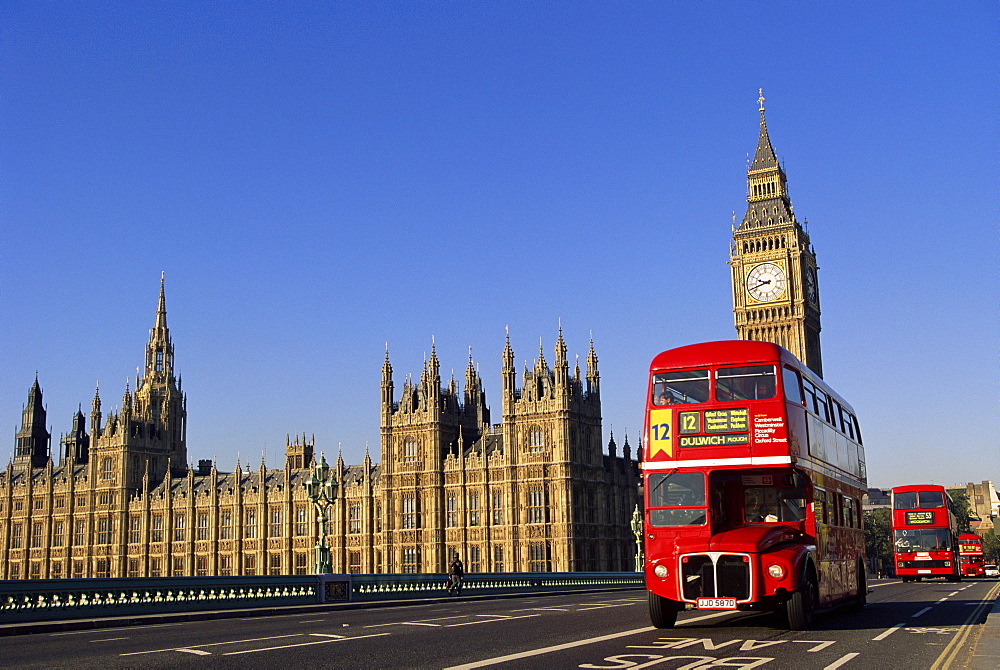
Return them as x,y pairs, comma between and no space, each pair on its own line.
662,611
799,608
862,598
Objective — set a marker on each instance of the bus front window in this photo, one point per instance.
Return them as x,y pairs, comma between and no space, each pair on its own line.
677,499
677,388
931,499
773,504
922,539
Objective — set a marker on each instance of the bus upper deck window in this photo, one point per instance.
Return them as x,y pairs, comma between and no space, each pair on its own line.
677,388
793,389
752,382
904,500
931,499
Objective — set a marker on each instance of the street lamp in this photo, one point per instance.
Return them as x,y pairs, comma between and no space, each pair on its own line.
321,488
637,531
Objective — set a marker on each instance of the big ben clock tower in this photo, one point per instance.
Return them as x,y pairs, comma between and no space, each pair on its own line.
775,290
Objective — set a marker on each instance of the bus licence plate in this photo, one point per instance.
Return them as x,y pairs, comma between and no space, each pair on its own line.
716,603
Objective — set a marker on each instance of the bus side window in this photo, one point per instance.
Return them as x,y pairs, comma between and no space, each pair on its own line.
811,395
793,387
836,509
848,512
819,505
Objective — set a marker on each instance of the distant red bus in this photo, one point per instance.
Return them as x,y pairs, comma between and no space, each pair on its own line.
924,533
753,474
970,555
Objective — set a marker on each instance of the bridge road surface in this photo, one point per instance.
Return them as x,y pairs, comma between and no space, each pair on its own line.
930,624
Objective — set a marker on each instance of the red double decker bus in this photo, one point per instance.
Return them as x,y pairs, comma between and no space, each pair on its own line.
970,555
924,533
753,474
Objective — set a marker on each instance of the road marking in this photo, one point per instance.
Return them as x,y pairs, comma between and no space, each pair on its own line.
313,621
110,639
302,644
921,612
957,643
474,623
883,635
211,644
421,623
953,593
196,652
840,661
546,650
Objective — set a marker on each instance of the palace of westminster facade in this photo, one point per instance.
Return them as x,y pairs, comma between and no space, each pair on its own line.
534,493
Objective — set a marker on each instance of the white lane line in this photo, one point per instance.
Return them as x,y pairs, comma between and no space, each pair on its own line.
840,661
313,621
110,639
885,634
421,623
302,644
546,650
953,593
921,612
212,644
475,623
196,652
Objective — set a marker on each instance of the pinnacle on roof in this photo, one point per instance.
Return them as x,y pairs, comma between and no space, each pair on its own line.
764,158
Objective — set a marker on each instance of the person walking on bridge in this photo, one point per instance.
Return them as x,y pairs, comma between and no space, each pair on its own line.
456,575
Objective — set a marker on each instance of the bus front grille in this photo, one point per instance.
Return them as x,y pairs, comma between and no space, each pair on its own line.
715,575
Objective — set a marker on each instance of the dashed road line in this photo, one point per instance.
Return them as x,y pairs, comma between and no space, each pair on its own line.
303,644
921,612
841,661
887,633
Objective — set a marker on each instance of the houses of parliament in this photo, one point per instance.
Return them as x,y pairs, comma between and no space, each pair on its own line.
535,492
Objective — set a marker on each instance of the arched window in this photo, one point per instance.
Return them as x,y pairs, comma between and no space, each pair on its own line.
536,439
409,449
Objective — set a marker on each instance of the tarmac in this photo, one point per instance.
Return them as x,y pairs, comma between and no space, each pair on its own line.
975,647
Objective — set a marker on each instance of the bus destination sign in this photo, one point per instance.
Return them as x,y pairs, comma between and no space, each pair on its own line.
726,420
919,518
713,440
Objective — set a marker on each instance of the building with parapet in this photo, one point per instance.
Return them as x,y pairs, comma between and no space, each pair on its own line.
535,492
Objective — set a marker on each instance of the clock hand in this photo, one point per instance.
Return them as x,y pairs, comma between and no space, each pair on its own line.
766,281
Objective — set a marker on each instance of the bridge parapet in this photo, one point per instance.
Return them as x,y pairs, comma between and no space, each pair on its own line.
63,599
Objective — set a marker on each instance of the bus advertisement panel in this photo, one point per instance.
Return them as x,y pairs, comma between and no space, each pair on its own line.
970,555
753,474
923,533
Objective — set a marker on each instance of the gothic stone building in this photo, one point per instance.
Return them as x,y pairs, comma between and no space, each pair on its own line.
533,493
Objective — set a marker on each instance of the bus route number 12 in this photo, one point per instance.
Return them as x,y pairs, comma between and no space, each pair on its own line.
660,421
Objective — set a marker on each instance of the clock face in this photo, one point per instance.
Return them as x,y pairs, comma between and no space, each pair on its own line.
811,293
766,282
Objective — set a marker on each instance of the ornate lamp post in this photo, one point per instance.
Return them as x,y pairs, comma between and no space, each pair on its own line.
321,488
637,531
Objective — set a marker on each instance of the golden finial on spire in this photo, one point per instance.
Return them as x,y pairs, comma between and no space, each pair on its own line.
760,101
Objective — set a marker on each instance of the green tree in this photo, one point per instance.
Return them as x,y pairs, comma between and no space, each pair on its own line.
991,548
878,540
963,510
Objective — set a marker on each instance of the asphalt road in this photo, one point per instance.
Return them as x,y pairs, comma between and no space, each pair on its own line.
916,625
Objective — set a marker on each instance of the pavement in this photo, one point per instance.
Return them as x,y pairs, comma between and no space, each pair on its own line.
985,653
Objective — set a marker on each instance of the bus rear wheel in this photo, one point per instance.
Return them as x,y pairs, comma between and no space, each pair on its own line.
800,606
662,611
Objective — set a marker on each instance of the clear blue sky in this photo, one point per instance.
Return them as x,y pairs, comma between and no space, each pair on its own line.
318,179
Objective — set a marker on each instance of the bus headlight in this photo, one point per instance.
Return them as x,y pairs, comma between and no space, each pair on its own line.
776,571
660,571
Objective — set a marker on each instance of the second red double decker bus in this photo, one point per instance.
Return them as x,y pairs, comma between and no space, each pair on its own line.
753,475
970,555
924,533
